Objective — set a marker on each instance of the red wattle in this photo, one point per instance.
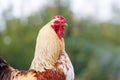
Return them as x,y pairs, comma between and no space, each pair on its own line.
59,31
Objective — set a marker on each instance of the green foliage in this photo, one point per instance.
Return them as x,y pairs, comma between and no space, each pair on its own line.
93,47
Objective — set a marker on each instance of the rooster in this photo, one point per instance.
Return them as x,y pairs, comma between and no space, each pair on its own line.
50,61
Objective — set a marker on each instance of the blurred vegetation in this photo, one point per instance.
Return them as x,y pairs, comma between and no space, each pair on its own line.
94,48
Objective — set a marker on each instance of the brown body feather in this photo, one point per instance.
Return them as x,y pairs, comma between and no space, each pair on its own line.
49,74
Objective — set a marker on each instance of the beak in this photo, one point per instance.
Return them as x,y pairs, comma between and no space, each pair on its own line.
65,24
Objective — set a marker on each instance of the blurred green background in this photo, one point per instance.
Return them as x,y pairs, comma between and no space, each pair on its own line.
93,47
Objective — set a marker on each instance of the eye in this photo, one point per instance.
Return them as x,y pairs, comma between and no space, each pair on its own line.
62,21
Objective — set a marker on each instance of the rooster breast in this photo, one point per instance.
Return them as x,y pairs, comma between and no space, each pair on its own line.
65,64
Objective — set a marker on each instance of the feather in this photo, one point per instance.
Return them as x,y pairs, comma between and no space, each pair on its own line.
50,61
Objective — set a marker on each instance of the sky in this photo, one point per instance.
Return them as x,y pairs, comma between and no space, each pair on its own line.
24,6
99,9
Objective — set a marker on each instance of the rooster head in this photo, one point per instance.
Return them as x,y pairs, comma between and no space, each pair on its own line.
58,23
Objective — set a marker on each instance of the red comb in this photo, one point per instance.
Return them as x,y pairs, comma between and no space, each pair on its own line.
60,18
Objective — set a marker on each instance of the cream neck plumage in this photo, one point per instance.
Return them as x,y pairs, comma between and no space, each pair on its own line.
48,49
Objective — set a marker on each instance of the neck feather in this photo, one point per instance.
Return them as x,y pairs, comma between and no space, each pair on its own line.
48,48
